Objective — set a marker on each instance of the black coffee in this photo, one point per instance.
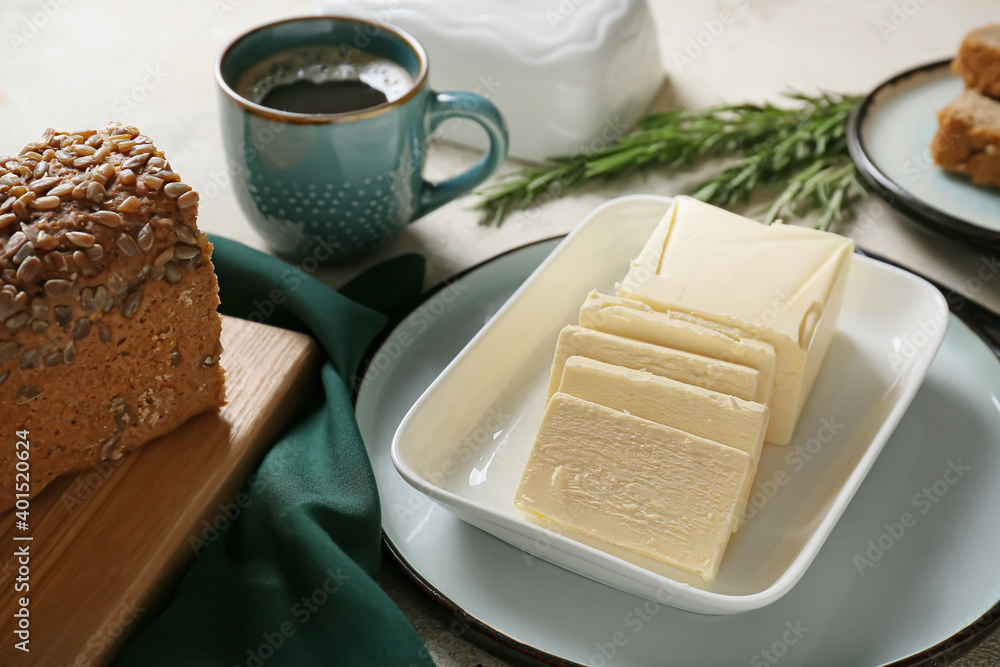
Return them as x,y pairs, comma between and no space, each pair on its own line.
322,98
323,80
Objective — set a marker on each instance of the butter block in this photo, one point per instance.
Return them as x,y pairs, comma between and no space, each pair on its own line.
634,319
693,369
633,483
781,284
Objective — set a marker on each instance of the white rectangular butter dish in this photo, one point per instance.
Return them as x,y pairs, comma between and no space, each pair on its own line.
466,440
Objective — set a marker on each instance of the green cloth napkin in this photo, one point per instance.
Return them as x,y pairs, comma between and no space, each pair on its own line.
292,580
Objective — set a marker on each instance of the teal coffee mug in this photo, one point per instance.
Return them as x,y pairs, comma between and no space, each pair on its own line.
325,123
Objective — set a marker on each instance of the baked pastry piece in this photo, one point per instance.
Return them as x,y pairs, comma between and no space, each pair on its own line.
968,138
109,334
978,60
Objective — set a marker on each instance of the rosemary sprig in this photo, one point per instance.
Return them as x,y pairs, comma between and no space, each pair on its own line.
799,154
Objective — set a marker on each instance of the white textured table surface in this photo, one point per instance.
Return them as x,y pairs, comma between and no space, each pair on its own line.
73,64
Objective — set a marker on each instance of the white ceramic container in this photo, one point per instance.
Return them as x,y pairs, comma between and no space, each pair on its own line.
568,75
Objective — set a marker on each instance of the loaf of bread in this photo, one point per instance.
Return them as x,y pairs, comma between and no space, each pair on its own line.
978,60
108,298
968,138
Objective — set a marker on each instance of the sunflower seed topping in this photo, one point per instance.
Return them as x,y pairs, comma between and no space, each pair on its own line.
43,185
131,304
87,299
26,393
82,328
185,234
103,298
46,203
130,205
163,257
84,264
175,190
127,176
80,239
153,183
135,161
145,238
15,242
17,322
29,269
69,353
96,192
62,189
171,273
29,359
24,252
107,218
127,245
9,350
56,286
188,199
46,241
182,251
63,316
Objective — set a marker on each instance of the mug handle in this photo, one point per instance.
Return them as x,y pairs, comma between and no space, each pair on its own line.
458,104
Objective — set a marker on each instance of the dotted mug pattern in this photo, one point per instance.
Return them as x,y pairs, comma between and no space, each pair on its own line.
353,216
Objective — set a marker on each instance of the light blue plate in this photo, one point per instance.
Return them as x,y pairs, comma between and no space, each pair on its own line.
889,138
913,566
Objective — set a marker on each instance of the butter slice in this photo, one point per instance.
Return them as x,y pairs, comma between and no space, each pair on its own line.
693,369
634,319
639,485
707,414
782,284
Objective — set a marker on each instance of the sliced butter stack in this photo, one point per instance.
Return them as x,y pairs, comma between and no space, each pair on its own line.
779,283
693,369
707,414
591,467
639,321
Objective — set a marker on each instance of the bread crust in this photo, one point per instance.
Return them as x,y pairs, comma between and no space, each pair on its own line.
108,302
968,138
978,60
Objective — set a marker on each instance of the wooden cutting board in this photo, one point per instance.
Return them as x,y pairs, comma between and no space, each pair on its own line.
106,541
